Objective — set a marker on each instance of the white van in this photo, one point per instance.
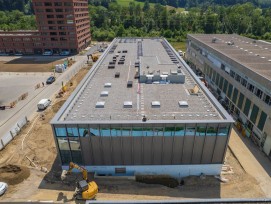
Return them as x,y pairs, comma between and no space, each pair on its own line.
43,104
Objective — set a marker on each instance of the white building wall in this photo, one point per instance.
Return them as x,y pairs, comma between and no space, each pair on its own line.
176,171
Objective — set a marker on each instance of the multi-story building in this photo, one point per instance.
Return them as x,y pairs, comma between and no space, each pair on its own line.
237,70
142,110
62,26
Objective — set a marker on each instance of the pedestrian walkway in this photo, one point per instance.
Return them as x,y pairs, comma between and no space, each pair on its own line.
252,160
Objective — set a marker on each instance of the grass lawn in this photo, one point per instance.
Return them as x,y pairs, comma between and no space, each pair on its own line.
178,45
125,3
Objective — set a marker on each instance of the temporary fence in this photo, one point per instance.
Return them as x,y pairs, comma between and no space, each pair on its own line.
14,131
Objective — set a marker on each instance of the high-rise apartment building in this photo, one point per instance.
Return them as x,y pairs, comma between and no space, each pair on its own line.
62,26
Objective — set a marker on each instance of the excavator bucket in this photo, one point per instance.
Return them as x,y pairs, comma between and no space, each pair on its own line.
64,175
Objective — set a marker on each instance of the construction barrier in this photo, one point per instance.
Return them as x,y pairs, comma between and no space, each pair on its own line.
14,131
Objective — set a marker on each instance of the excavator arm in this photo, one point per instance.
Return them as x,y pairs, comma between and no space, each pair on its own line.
75,166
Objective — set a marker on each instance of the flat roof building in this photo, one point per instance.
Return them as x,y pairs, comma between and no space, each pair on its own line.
62,26
237,70
142,110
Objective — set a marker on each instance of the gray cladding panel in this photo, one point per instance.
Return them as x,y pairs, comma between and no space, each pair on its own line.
167,150
157,150
137,147
86,149
208,149
97,153
219,149
116,150
177,150
197,150
147,150
127,149
106,147
187,149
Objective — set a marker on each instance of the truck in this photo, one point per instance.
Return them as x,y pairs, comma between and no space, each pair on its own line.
43,104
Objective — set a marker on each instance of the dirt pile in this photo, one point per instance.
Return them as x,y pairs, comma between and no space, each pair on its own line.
159,179
58,105
13,174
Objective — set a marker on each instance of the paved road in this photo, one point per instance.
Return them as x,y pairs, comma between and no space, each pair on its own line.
30,109
252,160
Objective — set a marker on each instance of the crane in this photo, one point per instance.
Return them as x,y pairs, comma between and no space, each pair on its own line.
85,190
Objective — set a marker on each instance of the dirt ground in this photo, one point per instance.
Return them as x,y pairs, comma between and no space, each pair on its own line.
24,161
35,64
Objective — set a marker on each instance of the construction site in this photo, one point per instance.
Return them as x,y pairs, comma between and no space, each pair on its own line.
31,165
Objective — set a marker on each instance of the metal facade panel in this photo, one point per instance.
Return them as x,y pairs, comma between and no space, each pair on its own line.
220,144
116,150
208,149
147,150
177,150
106,148
167,150
157,150
86,149
97,153
187,149
137,148
197,150
127,149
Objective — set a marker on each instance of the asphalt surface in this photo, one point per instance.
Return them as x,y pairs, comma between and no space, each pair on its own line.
30,108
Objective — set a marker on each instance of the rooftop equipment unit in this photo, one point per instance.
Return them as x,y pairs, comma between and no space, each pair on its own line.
129,84
127,104
183,104
117,75
100,104
104,93
107,85
155,104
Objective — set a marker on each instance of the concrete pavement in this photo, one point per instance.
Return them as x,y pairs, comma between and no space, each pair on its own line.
252,160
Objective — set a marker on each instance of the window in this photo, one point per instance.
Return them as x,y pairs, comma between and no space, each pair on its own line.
229,93
58,3
247,107
223,67
169,131
147,132
235,94
94,131
64,149
262,121
179,131
61,132
232,74
59,16
225,86
76,150
201,129
105,131
158,131
244,82
83,131
69,21
221,82
223,131
137,132
72,131
237,77
254,113
67,4
217,79
267,99
250,87
211,131
258,93
240,101
47,4
50,16
59,10
190,131
49,10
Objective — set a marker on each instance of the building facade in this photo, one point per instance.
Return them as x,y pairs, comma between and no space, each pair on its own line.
117,124
237,70
62,26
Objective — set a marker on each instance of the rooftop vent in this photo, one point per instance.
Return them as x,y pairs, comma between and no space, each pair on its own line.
129,84
100,104
117,75
183,104
104,93
128,104
214,40
155,104
107,85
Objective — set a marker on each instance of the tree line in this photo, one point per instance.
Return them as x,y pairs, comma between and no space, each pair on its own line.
114,20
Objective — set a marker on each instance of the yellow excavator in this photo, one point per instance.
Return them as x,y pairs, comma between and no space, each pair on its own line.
85,190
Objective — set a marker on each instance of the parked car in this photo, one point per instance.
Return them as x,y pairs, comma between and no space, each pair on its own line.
50,80
47,53
64,53
43,104
3,188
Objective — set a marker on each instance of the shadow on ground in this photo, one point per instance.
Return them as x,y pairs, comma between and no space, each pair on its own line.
194,186
261,157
